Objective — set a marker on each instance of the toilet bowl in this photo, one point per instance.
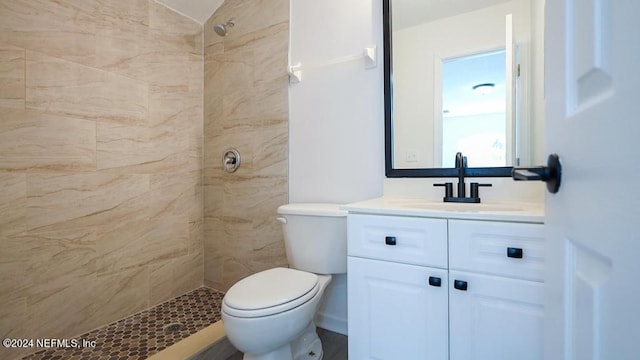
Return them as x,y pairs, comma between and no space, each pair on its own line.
270,315
277,324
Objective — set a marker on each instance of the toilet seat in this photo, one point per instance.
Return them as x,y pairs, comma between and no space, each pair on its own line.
270,292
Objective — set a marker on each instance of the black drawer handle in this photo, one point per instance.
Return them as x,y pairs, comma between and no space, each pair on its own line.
435,281
390,240
460,285
515,253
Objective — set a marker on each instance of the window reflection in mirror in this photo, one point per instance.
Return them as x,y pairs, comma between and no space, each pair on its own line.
474,119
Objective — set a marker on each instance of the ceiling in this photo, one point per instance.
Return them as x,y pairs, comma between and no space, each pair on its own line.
198,10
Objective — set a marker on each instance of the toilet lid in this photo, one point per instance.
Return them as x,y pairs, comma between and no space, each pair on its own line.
270,291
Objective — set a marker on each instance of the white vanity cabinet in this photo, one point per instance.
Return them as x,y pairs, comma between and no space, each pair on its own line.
438,288
495,290
397,288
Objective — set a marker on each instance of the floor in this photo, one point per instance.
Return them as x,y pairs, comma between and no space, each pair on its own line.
151,331
162,326
334,346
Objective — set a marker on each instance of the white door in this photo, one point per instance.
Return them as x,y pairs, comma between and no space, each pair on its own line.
592,79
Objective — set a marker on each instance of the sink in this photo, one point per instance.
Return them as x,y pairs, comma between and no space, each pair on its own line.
520,211
460,207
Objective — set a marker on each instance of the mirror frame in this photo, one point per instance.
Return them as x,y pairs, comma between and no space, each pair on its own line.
391,172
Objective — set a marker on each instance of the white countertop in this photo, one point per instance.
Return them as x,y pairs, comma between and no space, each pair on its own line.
417,207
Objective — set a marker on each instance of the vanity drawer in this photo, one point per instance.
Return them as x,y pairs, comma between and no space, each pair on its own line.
510,249
408,240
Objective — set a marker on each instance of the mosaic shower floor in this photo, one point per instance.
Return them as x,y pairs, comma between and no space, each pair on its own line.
144,334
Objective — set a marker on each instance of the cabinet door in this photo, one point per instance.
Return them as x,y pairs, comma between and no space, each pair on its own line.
494,318
394,312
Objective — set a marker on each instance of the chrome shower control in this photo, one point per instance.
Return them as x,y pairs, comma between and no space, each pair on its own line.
231,160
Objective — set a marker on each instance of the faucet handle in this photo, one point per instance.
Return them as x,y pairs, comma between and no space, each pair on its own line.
475,193
448,189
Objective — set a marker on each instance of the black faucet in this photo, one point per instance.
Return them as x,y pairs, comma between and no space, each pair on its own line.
461,166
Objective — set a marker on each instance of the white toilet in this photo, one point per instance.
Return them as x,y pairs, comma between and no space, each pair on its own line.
270,315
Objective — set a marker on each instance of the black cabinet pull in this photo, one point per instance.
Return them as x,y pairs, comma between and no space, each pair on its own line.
435,281
460,285
390,240
515,253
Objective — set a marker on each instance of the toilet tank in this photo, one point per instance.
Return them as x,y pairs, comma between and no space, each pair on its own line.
315,237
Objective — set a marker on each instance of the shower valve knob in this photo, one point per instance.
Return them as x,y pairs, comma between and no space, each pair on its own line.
231,160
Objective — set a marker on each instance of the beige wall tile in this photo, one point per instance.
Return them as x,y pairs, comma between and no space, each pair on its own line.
68,308
246,88
58,278
36,141
61,308
14,257
214,250
175,277
270,64
65,88
63,29
149,147
252,15
13,313
173,31
101,160
178,107
255,38
263,148
119,295
213,43
125,16
121,30
160,150
270,157
263,101
59,254
137,242
12,83
13,204
252,197
79,200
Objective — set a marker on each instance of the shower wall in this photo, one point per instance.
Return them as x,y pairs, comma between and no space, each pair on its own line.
101,119
246,107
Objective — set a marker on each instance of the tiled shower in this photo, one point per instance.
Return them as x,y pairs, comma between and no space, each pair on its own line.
113,118
246,107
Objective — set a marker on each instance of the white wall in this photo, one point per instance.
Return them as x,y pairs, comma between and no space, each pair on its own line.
336,131
336,116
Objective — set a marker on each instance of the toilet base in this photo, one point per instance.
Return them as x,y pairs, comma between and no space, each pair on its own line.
306,347
282,353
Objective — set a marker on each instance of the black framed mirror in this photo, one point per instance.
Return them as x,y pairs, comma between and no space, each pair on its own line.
441,167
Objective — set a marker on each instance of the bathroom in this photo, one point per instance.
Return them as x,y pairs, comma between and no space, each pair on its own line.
115,117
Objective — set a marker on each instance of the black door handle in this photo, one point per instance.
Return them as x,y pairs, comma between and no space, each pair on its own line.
551,174
435,281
